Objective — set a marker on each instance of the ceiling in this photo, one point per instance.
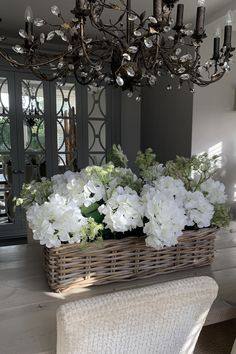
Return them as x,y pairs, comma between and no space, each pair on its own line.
12,11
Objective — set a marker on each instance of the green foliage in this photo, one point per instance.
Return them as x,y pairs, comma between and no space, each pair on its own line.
146,159
102,172
92,212
127,179
35,192
117,157
192,171
91,231
221,216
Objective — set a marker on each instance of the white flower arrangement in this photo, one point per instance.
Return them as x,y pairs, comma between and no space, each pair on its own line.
109,201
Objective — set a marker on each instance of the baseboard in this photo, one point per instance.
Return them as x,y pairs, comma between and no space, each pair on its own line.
13,241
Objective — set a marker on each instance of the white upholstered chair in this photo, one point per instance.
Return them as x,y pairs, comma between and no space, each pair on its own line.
162,319
234,348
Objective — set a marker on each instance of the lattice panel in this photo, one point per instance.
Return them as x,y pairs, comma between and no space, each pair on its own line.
66,127
97,125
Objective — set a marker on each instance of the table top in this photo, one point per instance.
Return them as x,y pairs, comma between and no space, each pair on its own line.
28,307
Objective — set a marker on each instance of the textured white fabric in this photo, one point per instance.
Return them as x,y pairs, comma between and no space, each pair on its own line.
162,319
234,348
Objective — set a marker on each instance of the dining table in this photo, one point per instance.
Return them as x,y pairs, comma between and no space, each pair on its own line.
28,307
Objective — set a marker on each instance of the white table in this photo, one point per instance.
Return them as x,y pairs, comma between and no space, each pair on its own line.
28,308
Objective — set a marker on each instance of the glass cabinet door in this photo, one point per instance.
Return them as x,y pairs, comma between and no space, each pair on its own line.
33,129
66,119
46,129
6,193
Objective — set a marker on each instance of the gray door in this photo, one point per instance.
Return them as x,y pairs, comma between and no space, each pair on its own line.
47,129
11,172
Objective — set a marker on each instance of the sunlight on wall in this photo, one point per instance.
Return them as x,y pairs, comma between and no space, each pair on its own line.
234,193
216,149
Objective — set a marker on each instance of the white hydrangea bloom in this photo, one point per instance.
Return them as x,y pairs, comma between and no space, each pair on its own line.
59,184
123,210
171,187
56,221
85,191
80,188
198,210
94,191
214,191
165,214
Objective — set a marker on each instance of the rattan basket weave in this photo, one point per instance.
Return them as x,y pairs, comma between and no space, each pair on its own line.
123,260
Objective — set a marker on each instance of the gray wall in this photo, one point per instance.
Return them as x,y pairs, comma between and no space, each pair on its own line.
214,119
130,128
166,120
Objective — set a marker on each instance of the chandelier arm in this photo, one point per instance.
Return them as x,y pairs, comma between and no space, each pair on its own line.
6,57
83,43
144,59
50,61
81,82
109,6
200,82
112,7
157,47
114,25
16,63
102,29
168,65
117,22
197,58
42,76
117,29
52,25
149,67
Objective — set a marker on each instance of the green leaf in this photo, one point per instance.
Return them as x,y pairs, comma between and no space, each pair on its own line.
87,211
96,216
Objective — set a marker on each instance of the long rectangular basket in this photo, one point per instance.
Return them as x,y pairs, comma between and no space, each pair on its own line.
70,266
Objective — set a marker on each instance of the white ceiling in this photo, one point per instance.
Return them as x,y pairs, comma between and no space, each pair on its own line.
12,11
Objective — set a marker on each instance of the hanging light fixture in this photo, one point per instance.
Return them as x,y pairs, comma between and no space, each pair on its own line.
132,51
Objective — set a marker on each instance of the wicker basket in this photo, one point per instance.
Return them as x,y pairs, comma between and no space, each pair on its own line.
123,260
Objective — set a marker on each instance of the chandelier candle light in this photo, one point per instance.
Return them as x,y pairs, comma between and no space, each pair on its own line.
130,51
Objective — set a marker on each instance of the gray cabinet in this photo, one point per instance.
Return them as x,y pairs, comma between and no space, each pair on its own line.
47,129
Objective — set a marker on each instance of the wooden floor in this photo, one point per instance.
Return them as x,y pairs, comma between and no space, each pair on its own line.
28,308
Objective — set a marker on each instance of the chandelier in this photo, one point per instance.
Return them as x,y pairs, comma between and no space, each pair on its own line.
130,50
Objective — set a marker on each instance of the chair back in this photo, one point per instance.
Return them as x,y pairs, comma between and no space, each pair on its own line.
164,318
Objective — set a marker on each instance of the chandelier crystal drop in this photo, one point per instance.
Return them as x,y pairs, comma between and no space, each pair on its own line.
130,50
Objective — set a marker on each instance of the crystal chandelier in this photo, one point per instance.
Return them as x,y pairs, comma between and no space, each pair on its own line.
130,51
